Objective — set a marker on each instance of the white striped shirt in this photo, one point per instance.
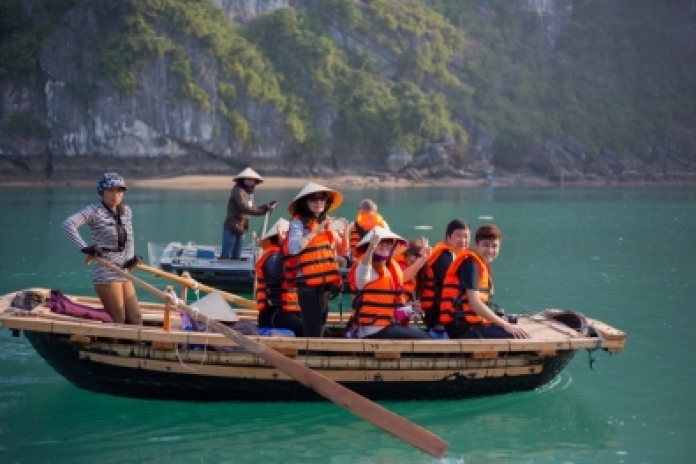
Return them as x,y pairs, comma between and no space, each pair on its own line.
102,226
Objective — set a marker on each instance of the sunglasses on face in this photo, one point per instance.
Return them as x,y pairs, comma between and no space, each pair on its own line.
317,198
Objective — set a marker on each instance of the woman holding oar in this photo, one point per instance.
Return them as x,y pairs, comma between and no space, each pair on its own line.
111,225
239,206
311,252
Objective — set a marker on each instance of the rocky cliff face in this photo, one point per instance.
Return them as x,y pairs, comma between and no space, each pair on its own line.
153,134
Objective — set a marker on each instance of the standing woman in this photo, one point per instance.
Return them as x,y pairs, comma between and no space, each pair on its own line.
239,207
312,247
110,223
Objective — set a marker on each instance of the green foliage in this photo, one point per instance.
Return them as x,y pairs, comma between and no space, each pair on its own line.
613,79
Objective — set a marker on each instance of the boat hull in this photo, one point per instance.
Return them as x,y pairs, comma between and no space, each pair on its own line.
70,360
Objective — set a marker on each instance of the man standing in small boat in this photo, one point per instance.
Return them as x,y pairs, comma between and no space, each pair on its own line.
468,290
111,225
239,206
311,250
456,240
276,298
379,285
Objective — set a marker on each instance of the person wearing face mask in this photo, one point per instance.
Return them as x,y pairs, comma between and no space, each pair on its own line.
468,292
111,225
378,281
444,253
310,250
239,206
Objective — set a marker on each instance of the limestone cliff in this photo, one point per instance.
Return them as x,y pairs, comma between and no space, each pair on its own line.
69,121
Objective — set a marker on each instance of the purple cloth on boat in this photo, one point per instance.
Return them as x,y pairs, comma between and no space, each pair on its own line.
61,304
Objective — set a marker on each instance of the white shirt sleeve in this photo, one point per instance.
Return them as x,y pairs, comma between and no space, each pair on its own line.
364,275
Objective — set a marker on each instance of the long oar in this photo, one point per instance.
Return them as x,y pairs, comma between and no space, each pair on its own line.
396,425
232,298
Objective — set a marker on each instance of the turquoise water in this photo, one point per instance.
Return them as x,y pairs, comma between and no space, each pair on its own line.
625,256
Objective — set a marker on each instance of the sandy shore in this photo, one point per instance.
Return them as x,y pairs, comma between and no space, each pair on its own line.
339,182
209,182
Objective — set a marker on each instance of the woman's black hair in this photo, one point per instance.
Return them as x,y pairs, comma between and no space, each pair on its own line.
306,214
245,187
456,224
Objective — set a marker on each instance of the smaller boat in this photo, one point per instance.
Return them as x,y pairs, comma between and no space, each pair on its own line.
203,264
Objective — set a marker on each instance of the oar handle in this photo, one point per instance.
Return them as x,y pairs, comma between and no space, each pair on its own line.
394,424
238,300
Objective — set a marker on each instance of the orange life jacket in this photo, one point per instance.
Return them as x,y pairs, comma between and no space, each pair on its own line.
273,293
409,286
364,222
288,297
431,289
376,302
316,264
455,301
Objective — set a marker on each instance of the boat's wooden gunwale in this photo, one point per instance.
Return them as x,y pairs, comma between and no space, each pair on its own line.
152,334
339,375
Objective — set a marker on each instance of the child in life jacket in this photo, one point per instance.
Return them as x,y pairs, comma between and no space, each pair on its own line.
379,284
276,299
468,292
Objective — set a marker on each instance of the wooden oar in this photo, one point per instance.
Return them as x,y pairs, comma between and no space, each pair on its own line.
394,424
232,298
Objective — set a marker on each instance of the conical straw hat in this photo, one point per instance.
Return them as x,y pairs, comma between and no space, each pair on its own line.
215,307
383,234
334,197
280,224
248,173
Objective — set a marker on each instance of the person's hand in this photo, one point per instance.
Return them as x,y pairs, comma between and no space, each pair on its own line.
92,250
515,330
133,262
426,251
374,240
272,205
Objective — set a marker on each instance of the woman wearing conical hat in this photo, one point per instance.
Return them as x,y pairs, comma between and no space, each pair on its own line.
275,299
311,251
239,207
379,284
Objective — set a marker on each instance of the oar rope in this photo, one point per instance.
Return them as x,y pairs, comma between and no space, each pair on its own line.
174,300
377,415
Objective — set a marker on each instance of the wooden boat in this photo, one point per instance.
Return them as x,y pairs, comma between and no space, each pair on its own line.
150,361
203,264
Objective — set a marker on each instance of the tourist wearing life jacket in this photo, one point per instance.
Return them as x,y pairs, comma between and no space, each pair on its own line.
366,219
468,289
276,301
416,253
313,244
379,281
456,239
239,206
110,222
